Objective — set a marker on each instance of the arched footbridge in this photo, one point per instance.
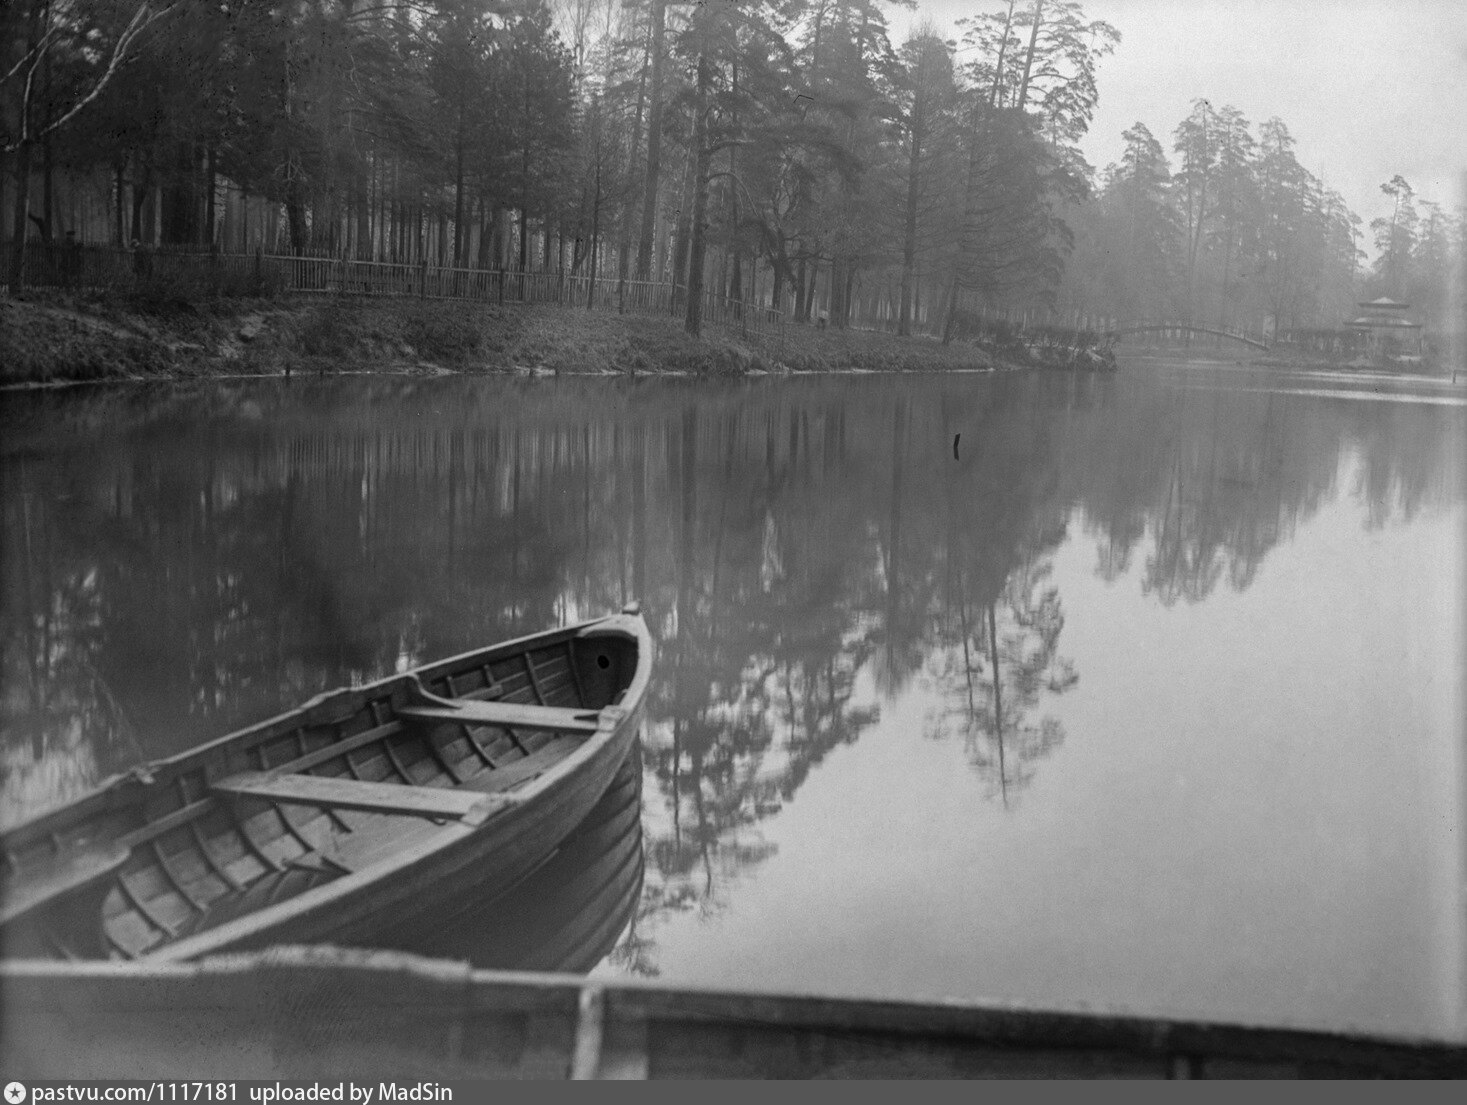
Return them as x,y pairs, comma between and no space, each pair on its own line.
1165,327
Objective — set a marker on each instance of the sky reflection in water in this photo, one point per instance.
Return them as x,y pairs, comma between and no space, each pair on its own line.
1219,770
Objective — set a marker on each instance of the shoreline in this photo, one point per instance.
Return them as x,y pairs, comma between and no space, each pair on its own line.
56,341
1415,373
51,342
673,374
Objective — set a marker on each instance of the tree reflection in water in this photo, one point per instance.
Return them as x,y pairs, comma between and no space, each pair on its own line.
176,565
990,682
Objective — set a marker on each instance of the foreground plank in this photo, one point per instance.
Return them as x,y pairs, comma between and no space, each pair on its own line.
318,1012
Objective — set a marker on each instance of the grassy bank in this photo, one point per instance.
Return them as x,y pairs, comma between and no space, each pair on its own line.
54,339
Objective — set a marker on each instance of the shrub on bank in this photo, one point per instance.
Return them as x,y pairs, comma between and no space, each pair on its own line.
443,332
363,331
807,349
170,292
44,346
325,331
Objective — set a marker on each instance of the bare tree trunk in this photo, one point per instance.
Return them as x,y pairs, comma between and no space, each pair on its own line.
117,201
48,187
21,225
458,194
654,144
295,213
524,257
736,283
693,322
140,188
683,230
952,305
917,127
210,212
595,238
48,160
381,245
624,247
993,92
486,235
1029,56
362,244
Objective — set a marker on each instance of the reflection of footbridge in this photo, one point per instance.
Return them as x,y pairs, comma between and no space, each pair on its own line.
1169,327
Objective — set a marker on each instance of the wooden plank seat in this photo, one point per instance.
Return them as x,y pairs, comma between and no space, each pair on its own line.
470,803
69,872
556,719
471,807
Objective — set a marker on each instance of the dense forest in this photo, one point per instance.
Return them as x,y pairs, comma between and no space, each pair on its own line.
788,152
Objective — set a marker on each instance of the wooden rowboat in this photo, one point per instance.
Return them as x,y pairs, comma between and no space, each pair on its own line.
328,1015
342,820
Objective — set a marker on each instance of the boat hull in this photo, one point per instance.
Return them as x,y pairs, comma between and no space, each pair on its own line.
568,914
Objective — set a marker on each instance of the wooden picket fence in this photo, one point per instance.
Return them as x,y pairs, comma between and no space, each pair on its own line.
86,267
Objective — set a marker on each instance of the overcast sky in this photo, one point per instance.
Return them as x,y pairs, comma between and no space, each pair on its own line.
1368,88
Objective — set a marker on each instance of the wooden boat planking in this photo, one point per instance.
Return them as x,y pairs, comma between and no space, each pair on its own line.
247,841
322,1013
565,916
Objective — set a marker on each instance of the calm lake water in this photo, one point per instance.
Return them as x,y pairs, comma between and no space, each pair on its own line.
1141,692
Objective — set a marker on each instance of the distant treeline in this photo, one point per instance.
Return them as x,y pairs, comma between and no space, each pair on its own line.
784,152
1240,236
